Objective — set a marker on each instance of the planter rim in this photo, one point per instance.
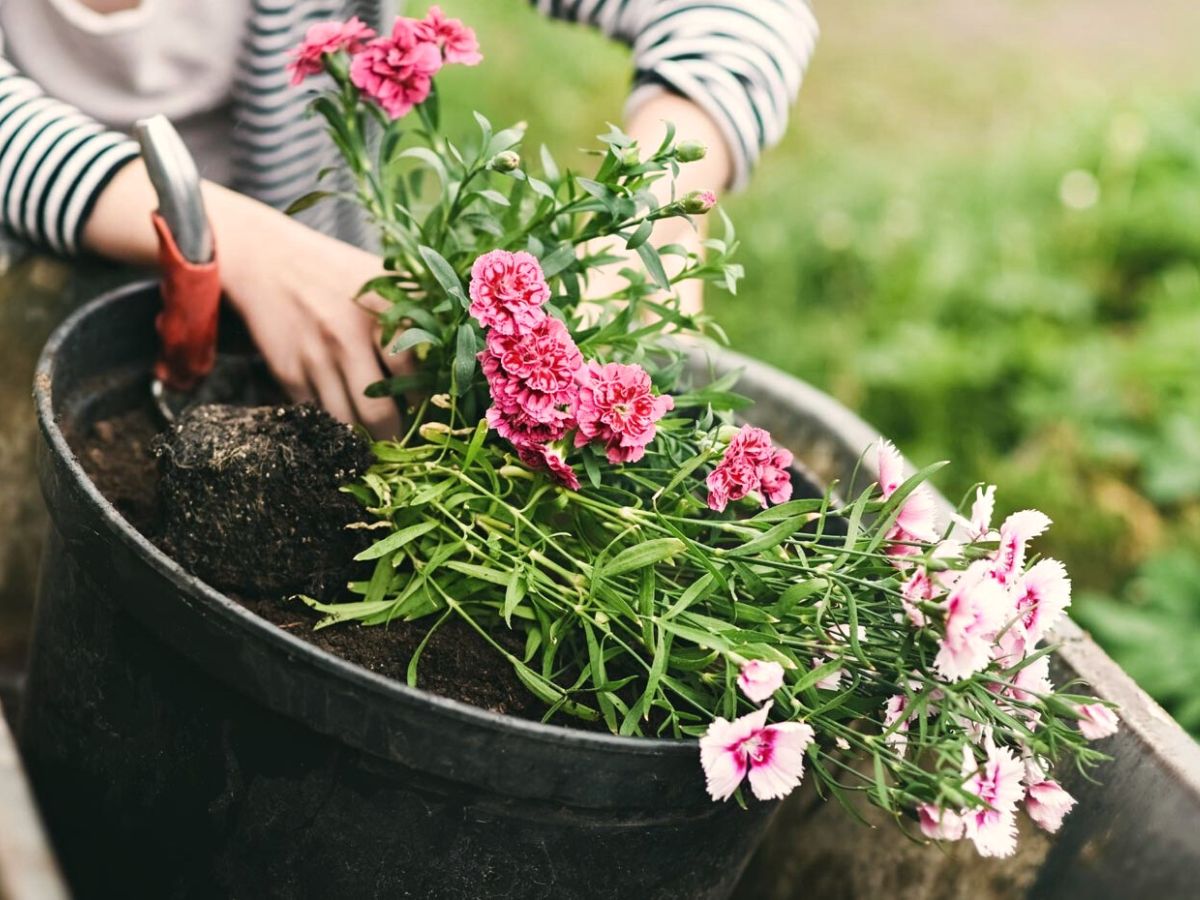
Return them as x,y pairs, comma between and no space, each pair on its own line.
258,628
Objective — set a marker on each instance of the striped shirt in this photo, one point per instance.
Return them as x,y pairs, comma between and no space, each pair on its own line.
740,60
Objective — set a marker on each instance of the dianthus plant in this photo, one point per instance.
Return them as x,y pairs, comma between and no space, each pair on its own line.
576,493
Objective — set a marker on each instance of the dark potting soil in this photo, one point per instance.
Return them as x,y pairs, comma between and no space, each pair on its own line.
250,501
119,454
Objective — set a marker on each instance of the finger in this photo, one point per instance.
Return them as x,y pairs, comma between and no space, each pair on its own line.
282,362
327,384
378,414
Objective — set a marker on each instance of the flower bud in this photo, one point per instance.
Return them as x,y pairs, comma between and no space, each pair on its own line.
629,157
690,151
506,161
698,202
727,433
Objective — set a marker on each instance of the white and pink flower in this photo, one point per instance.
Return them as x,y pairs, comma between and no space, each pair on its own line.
840,633
1042,595
1048,804
771,755
1096,721
1015,534
993,828
940,824
975,610
759,679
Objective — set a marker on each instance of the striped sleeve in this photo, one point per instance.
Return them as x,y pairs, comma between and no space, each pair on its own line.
740,60
54,163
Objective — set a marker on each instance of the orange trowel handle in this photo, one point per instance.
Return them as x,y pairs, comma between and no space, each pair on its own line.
187,325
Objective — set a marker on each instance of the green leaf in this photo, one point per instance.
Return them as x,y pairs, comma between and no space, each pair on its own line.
640,236
444,274
482,573
558,260
639,556
431,159
312,198
464,358
771,538
654,266
411,337
396,540
694,592
514,593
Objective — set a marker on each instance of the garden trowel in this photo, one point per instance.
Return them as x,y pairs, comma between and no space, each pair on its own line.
191,286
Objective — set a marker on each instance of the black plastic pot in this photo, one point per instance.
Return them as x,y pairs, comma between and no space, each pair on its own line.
183,747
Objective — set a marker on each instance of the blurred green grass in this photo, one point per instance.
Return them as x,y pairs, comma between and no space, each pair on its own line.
983,234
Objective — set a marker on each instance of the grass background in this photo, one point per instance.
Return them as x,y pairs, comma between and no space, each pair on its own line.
982,233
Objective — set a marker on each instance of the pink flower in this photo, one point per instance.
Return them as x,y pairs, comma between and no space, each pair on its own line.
1048,804
397,71
993,829
759,679
616,406
1096,721
773,755
1015,534
919,588
975,610
533,381
891,467
751,464
1042,594
508,291
896,711
326,37
980,522
457,41
548,458
940,824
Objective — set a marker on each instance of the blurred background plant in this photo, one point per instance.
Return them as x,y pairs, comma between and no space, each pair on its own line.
983,234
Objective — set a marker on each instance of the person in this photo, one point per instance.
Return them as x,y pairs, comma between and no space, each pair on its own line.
76,74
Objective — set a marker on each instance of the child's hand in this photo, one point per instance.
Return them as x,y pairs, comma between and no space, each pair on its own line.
293,286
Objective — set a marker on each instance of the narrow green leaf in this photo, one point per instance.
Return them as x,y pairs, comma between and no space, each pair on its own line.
444,274
411,338
395,541
647,553
654,266
513,595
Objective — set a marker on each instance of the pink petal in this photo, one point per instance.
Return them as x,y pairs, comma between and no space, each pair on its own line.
1043,594
782,769
891,467
759,679
940,824
1048,804
1096,721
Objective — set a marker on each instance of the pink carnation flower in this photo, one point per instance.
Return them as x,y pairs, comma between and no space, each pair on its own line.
457,41
1048,804
533,380
993,829
759,679
940,824
975,610
617,407
549,459
979,524
1096,721
751,464
1043,593
508,291
327,37
916,520
397,71
773,755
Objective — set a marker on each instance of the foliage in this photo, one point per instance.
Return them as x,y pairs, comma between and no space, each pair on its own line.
639,602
